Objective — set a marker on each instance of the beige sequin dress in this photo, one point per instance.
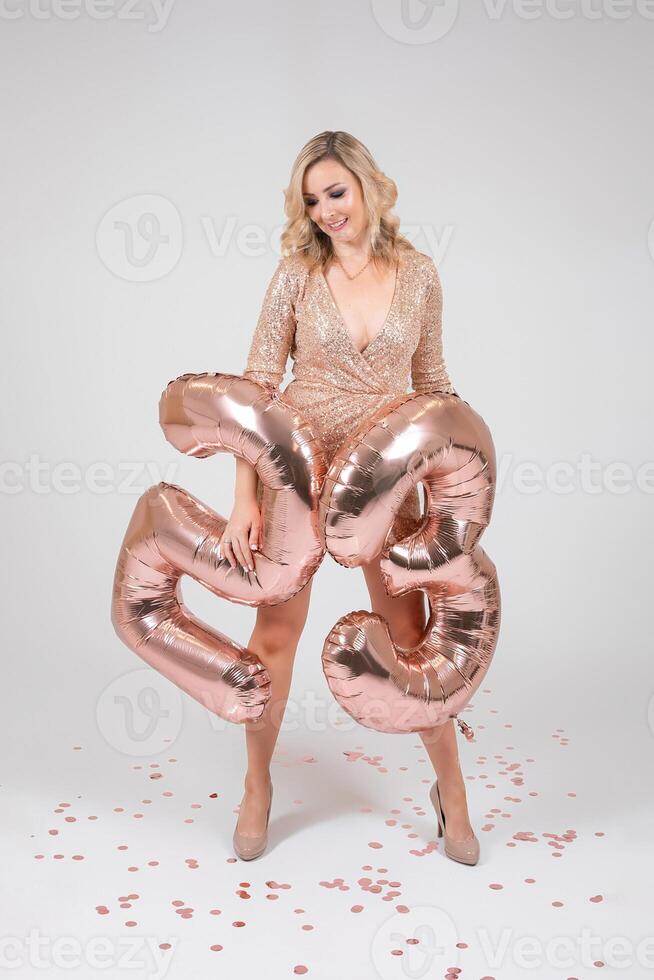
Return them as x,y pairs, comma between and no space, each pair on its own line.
335,386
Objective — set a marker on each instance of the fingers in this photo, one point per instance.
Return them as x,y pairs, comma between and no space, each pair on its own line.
242,550
244,541
255,536
236,550
225,550
240,544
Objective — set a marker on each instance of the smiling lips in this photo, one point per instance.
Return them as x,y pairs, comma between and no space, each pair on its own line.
337,224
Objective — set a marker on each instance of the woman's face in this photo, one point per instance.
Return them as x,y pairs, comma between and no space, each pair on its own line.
333,199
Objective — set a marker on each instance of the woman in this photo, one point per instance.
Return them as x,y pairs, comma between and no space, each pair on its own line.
358,308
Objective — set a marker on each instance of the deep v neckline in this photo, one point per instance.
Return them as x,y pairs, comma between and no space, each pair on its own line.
343,324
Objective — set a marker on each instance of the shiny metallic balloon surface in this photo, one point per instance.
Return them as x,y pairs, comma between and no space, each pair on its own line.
171,533
439,440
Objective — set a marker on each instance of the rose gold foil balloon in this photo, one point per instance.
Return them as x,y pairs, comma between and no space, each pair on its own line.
172,533
436,439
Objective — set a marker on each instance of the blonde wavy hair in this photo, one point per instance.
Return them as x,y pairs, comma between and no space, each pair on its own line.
302,236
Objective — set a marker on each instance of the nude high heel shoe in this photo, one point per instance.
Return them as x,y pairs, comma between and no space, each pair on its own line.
248,848
465,851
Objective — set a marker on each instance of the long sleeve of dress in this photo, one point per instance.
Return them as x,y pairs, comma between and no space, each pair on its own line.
275,329
428,371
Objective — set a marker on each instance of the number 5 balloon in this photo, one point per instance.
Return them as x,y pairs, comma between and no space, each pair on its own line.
172,533
436,439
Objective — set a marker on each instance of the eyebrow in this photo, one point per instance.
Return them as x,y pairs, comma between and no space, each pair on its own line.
324,188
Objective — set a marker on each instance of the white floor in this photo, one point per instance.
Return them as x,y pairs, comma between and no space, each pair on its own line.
118,859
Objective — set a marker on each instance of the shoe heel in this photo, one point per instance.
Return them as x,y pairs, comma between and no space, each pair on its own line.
248,848
466,852
433,794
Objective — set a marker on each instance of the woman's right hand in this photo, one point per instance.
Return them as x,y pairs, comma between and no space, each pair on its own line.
242,535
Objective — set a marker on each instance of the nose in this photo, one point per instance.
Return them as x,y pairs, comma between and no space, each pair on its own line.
327,212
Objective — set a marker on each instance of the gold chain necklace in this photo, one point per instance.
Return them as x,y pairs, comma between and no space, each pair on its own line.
356,273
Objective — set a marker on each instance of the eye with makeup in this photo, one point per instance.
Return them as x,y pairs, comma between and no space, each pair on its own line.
311,204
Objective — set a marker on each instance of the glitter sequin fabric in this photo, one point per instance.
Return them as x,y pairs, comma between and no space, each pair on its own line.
335,386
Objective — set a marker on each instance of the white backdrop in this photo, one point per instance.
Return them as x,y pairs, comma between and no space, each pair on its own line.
520,137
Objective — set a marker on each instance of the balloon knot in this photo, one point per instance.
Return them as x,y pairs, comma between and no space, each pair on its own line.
465,729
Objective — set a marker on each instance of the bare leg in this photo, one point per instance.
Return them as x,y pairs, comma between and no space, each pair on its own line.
443,750
407,620
274,640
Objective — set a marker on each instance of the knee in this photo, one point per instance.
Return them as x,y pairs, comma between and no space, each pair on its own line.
275,637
